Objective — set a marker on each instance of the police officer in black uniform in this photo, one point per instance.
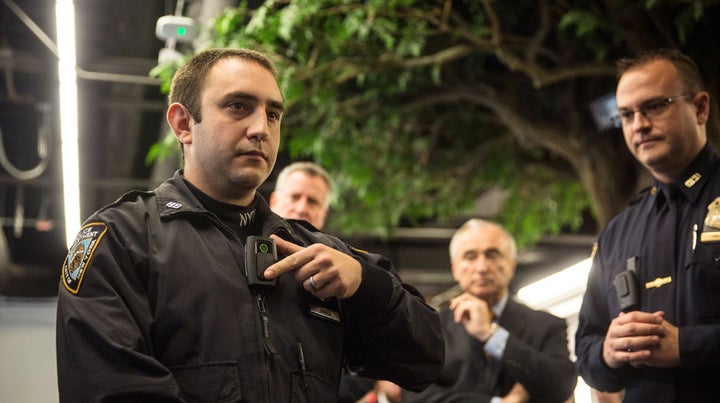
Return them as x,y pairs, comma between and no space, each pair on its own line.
650,318
166,296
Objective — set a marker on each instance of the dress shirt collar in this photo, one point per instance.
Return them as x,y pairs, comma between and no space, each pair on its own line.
500,306
695,176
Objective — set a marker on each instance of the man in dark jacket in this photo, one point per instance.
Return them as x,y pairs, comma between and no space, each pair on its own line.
165,298
496,349
659,340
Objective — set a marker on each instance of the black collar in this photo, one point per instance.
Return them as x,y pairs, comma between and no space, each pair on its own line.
693,179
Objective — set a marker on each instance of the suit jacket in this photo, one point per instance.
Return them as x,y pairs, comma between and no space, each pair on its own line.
536,355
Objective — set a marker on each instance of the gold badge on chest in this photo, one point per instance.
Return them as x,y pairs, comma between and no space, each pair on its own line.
711,227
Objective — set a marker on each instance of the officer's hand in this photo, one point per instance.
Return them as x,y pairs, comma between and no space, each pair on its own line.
323,271
392,392
667,352
518,394
630,338
474,314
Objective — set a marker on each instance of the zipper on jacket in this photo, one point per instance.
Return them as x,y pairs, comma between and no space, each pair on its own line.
301,364
267,341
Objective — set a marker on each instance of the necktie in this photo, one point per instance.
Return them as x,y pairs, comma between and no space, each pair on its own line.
657,280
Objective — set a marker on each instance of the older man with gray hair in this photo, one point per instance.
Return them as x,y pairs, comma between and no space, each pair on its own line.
496,349
303,191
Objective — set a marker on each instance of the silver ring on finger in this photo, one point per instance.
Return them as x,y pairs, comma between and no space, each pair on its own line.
312,284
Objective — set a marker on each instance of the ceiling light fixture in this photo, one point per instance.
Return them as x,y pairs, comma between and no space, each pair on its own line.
67,78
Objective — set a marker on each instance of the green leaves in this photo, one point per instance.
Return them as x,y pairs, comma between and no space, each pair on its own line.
351,83
419,107
166,148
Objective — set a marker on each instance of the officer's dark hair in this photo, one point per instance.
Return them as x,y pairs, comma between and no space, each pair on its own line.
688,71
188,81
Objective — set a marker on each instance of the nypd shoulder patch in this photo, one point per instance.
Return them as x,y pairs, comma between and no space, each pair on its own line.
80,254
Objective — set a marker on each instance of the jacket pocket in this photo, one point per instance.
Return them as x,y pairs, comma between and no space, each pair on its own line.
310,388
701,292
209,381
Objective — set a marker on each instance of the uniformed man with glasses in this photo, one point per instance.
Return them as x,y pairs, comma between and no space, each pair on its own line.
650,318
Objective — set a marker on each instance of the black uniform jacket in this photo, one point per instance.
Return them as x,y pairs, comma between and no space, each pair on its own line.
154,306
689,292
536,355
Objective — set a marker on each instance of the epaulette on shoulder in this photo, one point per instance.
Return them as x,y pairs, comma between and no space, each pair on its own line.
639,195
126,197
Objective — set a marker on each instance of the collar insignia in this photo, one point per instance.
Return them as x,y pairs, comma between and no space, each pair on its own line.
692,180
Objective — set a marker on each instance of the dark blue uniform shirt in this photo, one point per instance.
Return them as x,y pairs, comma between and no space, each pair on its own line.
678,272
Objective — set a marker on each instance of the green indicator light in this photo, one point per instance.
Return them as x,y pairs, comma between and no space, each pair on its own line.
264,248
181,31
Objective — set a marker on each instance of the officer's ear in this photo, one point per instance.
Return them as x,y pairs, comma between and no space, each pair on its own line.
180,121
702,103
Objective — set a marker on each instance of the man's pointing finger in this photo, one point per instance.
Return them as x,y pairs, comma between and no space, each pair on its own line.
284,265
285,247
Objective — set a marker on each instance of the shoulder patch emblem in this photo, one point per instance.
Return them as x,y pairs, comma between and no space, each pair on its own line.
80,254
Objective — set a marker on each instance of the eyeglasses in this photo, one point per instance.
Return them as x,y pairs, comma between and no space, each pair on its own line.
650,109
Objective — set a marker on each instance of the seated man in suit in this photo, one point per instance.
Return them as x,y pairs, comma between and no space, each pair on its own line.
496,349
